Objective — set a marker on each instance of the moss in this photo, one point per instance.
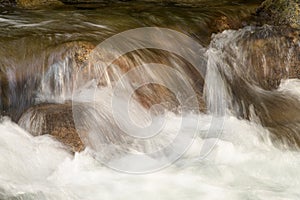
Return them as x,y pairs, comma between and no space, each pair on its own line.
280,12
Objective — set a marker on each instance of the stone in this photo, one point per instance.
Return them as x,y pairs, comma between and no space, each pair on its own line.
37,73
55,120
264,55
279,12
221,23
152,93
253,62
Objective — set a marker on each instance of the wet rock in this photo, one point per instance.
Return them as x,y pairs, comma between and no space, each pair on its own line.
23,82
32,4
253,62
70,57
151,94
277,111
263,55
276,52
73,62
280,12
222,23
55,120
7,3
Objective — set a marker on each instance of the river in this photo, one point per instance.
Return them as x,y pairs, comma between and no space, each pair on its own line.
216,152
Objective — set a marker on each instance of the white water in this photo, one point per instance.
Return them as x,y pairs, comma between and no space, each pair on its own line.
241,166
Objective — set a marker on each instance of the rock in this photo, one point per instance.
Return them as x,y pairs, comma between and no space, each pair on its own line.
21,80
56,69
252,62
69,59
33,4
151,93
264,55
55,120
279,12
223,22
81,68
8,3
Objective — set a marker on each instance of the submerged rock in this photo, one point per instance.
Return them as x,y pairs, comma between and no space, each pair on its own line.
70,63
45,72
280,12
76,64
126,69
55,120
31,4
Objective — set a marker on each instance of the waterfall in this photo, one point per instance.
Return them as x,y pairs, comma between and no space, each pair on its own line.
88,101
245,68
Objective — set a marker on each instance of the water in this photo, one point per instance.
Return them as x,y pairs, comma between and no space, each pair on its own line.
241,166
227,150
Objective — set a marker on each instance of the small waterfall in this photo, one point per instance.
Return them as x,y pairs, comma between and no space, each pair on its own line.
119,104
245,68
216,90
228,123
240,78
45,72
127,107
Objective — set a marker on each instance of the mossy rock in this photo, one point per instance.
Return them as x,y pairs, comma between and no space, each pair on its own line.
280,12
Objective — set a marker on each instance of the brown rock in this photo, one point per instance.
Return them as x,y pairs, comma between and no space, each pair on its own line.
20,78
264,55
253,62
222,23
32,4
151,93
85,66
55,120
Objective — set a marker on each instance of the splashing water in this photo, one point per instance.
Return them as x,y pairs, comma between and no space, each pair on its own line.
244,163
239,161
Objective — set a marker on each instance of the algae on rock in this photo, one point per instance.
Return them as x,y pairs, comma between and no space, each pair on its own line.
280,12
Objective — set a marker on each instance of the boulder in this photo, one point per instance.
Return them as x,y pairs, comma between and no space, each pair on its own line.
77,63
252,62
55,120
150,93
279,12
263,56
21,80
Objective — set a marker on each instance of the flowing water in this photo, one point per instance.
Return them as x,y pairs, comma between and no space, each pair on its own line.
219,117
